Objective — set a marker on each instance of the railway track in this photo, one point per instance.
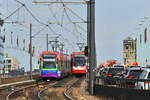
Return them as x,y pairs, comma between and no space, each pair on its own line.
26,92
41,91
53,90
70,88
60,91
6,89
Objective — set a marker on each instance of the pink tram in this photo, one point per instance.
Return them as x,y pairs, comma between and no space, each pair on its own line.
78,63
54,65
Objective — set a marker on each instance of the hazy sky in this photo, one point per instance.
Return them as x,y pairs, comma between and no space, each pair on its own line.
115,20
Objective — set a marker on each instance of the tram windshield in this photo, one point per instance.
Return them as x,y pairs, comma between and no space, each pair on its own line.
79,60
49,61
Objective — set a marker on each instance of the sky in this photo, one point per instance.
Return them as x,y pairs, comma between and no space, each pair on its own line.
115,20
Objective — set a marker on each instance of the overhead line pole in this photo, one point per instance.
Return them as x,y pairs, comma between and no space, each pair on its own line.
47,42
30,50
91,43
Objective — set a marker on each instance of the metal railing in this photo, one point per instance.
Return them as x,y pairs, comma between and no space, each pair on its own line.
122,89
14,74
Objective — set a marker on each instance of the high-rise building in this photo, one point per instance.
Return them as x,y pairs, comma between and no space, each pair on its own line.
129,50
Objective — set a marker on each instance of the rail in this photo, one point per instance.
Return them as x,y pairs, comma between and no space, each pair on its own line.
7,98
41,91
20,89
66,92
69,86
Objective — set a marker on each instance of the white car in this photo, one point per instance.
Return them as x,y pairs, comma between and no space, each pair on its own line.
144,75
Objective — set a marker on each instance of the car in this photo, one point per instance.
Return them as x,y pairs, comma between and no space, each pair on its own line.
121,74
109,74
133,73
112,71
144,84
118,65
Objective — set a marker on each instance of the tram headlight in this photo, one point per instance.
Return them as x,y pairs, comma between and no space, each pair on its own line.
58,72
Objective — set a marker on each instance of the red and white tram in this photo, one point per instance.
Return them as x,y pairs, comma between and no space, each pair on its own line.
78,63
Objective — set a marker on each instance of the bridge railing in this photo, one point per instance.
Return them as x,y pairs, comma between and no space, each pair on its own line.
17,74
122,89
123,82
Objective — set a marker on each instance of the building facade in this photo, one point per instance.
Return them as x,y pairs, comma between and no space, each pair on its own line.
142,37
1,48
143,46
1,54
129,50
10,64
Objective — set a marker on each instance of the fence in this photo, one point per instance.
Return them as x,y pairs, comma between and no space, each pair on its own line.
17,74
122,89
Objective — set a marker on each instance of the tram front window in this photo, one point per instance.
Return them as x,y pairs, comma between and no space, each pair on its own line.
79,61
49,64
49,61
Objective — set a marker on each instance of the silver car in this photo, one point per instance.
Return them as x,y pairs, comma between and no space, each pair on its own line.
144,84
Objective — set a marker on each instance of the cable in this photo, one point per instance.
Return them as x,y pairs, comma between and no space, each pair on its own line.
40,21
13,12
75,14
62,37
54,15
68,16
30,13
69,20
39,31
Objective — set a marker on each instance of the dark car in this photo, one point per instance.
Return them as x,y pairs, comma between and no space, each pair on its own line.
121,74
110,73
113,71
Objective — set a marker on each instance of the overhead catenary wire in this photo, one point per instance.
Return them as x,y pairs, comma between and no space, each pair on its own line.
53,14
75,14
67,41
39,31
30,12
69,16
13,13
69,20
63,37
